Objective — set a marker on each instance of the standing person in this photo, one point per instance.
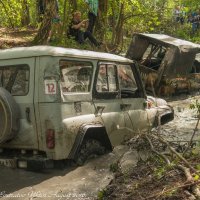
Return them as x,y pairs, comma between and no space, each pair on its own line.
76,31
92,14
194,22
56,23
177,13
41,7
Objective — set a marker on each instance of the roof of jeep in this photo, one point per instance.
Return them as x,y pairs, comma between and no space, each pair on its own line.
170,40
22,52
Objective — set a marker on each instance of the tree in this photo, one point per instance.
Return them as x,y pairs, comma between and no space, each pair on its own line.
45,27
101,23
25,16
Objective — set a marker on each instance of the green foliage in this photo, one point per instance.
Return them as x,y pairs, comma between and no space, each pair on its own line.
71,43
198,167
161,167
160,171
171,193
195,105
101,194
196,177
114,167
117,21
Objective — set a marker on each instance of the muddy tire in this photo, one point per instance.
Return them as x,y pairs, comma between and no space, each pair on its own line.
9,116
89,149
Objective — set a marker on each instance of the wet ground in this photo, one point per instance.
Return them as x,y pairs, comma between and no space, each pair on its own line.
182,127
85,182
154,180
73,183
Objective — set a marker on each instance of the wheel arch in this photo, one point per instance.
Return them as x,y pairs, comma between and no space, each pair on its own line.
90,131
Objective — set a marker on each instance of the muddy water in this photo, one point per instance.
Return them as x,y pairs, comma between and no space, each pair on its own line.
182,127
71,184
84,182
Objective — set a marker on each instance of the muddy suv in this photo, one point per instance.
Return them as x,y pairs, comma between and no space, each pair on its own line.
58,104
168,65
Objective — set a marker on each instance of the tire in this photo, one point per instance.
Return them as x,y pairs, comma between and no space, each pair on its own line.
88,149
9,116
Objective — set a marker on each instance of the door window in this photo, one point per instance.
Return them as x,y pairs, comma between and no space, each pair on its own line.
126,77
107,78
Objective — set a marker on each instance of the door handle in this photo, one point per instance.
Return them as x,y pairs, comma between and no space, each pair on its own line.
125,106
28,114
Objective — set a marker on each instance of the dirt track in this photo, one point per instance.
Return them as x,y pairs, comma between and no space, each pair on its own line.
15,38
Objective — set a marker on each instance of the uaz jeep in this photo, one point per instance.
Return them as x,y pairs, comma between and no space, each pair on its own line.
58,103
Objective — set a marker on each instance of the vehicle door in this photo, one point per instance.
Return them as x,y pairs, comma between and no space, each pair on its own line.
133,97
17,76
107,101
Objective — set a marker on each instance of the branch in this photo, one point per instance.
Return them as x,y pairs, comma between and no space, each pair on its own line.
156,152
195,130
174,188
190,179
135,15
174,151
186,172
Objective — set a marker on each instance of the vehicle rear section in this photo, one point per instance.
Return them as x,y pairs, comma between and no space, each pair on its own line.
19,140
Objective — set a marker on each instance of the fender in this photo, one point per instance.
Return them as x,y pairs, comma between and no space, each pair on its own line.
94,131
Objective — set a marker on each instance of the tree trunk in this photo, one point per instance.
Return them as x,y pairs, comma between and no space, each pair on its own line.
119,27
45,27
117,31
64,17
101,23
74,5
25,17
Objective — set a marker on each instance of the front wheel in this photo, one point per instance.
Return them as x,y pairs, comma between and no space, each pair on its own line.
88,149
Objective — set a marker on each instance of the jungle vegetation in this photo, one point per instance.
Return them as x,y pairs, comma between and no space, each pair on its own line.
117,20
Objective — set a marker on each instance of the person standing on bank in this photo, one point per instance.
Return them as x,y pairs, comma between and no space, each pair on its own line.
92,14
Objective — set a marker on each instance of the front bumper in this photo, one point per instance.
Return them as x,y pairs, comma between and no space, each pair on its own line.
160,115
165,115
159,112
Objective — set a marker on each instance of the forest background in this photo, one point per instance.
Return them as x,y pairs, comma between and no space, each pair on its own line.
117,20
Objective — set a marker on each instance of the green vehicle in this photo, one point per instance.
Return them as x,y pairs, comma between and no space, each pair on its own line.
58,104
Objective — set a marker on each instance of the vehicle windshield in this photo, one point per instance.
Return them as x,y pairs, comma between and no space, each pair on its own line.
75,76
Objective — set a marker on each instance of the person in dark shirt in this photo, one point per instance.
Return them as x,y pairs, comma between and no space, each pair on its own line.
76,30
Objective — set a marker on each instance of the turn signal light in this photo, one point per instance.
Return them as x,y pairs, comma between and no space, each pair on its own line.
50,138
149,104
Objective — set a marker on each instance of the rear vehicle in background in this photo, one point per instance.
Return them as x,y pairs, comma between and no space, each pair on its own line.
167,65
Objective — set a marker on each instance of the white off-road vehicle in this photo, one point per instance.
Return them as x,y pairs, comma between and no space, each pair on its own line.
58,103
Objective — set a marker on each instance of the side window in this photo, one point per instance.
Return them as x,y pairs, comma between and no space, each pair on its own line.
75,76
15,79
153,56
107,78
126,78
